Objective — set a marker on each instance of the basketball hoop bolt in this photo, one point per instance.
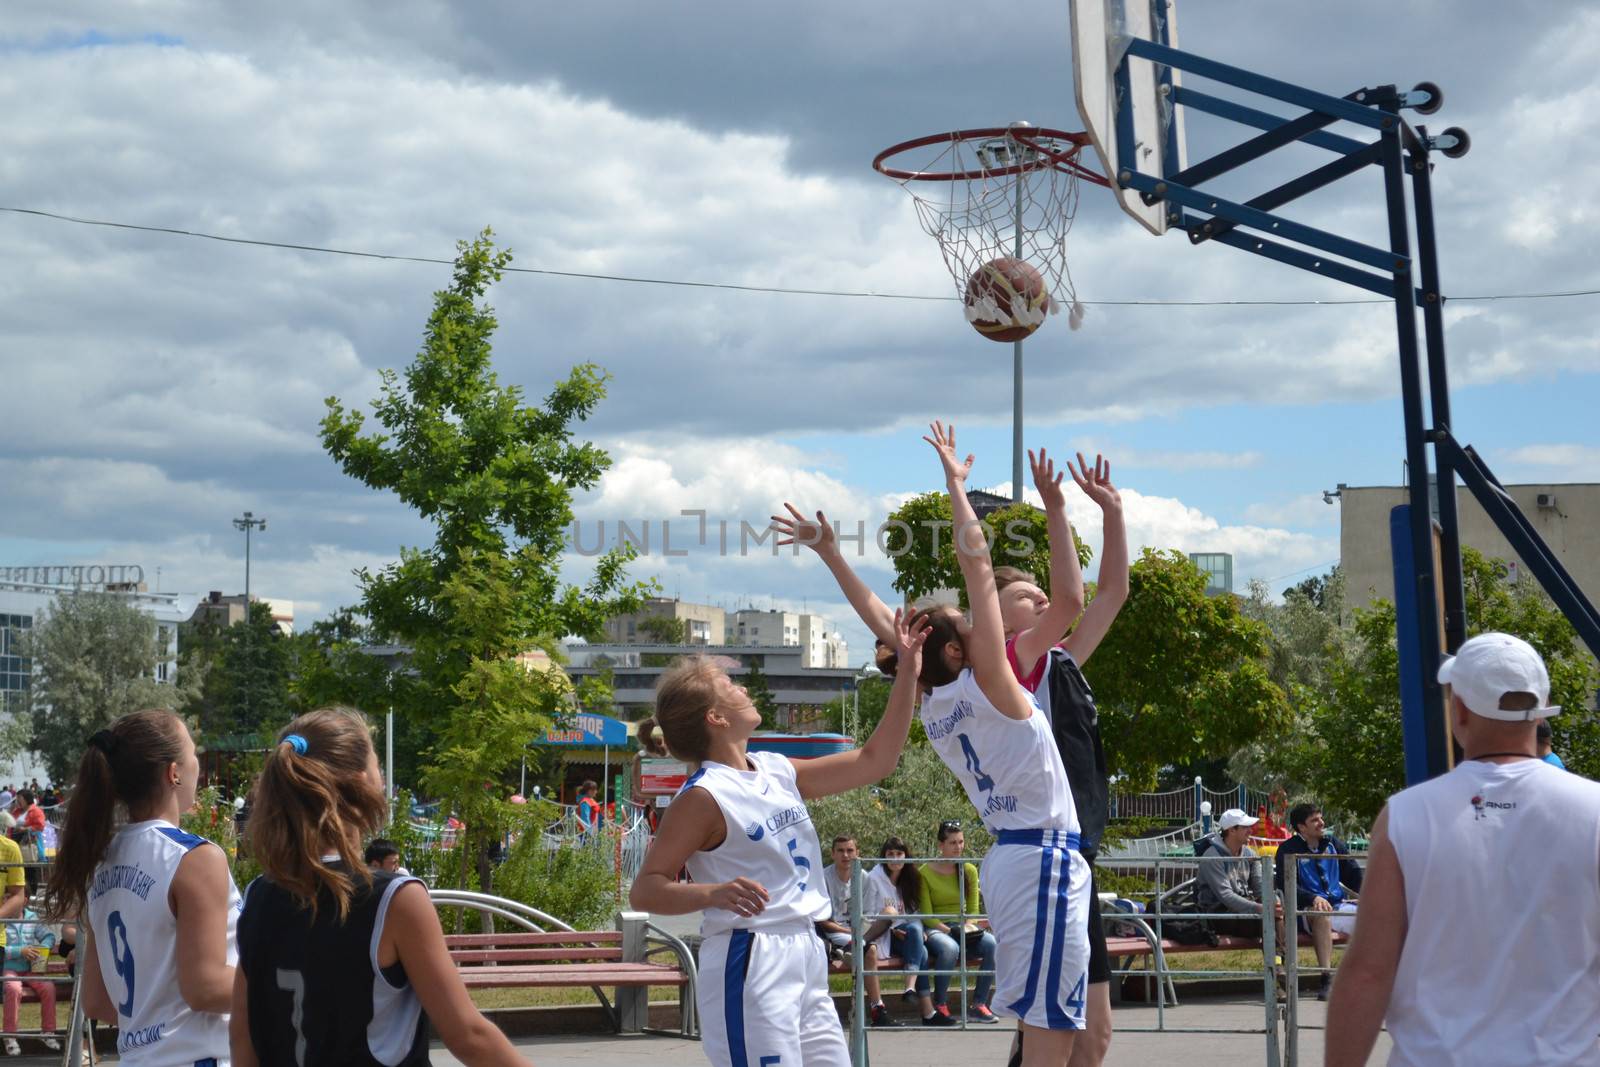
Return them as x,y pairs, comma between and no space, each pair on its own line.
1430,298
1124,177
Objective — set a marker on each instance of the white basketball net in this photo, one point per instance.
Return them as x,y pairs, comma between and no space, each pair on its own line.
976,218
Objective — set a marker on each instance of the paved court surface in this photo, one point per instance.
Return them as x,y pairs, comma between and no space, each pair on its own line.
988,1045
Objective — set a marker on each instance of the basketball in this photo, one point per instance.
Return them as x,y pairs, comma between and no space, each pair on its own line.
1006,299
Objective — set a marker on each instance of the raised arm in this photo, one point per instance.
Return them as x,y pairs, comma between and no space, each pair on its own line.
1111,591
878,758
1066,574
818,535
986,642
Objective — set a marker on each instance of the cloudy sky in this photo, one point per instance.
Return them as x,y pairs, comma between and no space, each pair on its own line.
157,386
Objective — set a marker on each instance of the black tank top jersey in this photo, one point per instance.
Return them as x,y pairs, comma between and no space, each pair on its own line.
317,996
1065,696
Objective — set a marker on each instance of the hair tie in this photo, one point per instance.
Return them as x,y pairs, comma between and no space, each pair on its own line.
104,740
296,742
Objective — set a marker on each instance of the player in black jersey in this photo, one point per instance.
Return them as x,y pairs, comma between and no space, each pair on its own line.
1048,666
339,965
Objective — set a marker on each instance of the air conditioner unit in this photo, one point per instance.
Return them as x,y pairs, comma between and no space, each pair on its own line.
1545,500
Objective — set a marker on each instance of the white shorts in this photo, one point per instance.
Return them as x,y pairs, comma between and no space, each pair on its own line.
763,998
1037,898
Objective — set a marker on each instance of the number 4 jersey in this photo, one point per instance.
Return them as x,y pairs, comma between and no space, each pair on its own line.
1010,768
136,941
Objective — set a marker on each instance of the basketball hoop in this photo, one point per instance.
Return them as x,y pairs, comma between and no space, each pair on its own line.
1012,193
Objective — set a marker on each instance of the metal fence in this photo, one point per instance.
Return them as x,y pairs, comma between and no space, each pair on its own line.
1145,916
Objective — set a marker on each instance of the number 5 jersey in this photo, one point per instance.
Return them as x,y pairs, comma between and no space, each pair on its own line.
136,942
769,838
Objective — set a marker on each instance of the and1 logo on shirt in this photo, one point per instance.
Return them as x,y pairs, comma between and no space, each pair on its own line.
1482,807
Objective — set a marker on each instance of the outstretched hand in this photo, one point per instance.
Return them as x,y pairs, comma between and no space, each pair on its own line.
909,638
944,443
795,529
1096,482
1047,480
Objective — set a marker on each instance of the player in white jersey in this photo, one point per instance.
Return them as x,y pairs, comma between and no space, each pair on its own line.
147,891
1479,936
741,826
989,732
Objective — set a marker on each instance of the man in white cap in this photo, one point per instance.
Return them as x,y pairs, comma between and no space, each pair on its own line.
1479,939
1231,883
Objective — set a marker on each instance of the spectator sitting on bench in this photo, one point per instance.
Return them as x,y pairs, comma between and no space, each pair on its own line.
28,941
1232,884
836,930
1319,883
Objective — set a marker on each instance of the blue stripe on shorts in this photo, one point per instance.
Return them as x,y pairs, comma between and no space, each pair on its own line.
734,971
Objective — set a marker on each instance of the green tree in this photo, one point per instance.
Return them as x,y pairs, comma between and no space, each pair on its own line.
755,683
247,689
95,657
1180,676
1347,748
495,477
666,629
919,541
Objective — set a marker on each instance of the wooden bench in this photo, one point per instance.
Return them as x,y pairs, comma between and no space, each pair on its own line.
539,957
552,960
1124,949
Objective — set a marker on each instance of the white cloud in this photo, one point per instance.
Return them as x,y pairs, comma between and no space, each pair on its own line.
1557,462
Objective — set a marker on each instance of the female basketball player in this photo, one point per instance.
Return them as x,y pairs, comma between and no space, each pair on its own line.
988,731
741,826
1048,666
145,891
338,964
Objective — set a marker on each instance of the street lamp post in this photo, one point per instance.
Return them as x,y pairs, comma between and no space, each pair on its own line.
247,523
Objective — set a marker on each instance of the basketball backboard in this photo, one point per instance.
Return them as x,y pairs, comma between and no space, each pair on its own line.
1100,32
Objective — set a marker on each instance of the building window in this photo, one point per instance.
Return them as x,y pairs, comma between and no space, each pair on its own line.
1218,569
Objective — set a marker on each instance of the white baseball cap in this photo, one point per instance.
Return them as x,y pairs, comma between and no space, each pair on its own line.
1489,666
1235,817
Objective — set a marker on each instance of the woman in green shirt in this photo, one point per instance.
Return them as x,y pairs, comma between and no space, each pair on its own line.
950,887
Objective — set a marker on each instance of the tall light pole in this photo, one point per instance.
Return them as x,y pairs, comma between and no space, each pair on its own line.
247,523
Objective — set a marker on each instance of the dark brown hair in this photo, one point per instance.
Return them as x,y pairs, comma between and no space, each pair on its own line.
941,632
308,804
909,881
684,693
123,762
839,839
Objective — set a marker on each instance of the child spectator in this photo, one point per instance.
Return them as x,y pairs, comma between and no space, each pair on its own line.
29,941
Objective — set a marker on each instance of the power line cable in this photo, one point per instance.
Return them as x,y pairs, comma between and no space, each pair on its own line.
784,290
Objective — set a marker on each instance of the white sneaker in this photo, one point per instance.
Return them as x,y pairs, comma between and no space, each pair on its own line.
52,1044
12,1048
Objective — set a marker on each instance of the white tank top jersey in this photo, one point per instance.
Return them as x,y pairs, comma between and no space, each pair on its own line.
136,941
770,839
1010,768
1501,962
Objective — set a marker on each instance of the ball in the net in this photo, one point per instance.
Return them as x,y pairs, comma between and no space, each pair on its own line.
1006,299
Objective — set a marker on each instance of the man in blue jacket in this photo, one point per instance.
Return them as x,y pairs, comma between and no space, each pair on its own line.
1321,884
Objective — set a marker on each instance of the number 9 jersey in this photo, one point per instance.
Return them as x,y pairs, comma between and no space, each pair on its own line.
136,943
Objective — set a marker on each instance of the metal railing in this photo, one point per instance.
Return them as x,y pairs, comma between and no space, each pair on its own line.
1280,1019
